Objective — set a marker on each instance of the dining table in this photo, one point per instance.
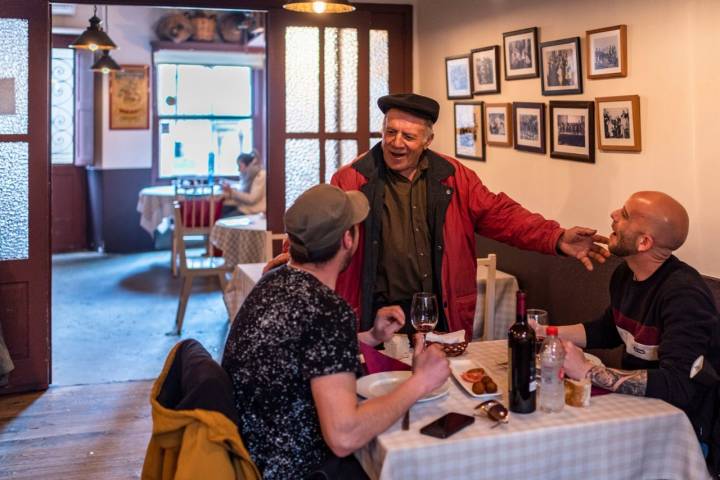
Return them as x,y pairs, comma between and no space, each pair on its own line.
241,238
616,437
245,276
155,206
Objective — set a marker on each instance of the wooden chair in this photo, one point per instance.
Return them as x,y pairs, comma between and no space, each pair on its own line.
490,262
270,238
202,206
189,221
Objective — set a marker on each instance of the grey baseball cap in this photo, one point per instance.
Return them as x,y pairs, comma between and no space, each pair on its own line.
320,216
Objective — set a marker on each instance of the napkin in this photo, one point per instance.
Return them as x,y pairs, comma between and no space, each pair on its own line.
448,338
376,362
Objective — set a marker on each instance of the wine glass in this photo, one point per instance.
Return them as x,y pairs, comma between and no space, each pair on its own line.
538,318
424,312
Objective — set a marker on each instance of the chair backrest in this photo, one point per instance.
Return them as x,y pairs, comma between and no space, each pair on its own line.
270,237
199,207
490,262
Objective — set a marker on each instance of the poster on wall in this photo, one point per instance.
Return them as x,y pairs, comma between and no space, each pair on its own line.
129,98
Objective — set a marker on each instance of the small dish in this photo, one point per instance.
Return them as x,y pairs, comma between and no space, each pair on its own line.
458,366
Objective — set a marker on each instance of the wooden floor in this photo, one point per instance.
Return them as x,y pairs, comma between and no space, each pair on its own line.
79,432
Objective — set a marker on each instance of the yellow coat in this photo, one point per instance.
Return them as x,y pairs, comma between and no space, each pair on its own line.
193,444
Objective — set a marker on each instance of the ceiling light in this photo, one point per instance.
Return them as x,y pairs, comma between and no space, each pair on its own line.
333,6
93,38
105,64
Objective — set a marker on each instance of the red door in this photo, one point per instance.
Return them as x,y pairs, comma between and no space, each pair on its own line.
24,193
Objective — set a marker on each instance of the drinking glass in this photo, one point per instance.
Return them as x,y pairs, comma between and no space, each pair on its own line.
540,317
424,312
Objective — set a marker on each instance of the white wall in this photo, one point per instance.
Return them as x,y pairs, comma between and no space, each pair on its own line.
131,28
672,66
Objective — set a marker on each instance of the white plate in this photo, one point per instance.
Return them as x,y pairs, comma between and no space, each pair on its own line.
379,384
458,366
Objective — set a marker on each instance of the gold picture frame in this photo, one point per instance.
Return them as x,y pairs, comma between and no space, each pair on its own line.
130,98
618,123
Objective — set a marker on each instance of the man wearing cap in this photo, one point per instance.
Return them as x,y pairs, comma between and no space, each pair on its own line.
425,209
292,351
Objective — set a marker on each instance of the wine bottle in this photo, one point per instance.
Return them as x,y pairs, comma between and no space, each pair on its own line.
521,361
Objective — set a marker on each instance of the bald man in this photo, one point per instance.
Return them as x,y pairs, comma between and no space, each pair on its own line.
660,309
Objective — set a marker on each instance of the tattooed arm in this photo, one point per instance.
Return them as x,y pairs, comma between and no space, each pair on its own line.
631,382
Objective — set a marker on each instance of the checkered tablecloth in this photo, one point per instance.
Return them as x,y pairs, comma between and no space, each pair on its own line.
244,278
241,239
617,437
506,286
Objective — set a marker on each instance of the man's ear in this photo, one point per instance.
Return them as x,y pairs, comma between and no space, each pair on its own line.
429,140
347,239
644,242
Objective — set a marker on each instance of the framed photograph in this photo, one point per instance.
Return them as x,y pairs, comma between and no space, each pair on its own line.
618,123
469,141
561,67
529,126
130,98
520,53
485,69
572,131
498,124
457,70
606,52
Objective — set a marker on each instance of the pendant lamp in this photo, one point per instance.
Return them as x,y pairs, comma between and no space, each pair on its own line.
93,38
332,6
105,64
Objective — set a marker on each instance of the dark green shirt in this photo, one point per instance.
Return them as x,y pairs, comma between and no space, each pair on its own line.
405,265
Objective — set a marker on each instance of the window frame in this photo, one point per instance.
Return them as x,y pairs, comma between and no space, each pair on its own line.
257,115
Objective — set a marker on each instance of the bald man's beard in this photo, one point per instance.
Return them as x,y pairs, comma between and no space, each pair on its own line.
625,245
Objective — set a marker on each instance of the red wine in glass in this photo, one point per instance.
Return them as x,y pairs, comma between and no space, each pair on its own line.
424,312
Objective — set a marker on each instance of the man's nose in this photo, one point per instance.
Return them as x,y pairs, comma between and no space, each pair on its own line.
396,140
614,215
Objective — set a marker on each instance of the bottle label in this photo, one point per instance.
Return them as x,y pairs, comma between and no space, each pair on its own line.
533,385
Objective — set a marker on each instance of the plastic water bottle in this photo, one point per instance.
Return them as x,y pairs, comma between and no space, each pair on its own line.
552,356
211,168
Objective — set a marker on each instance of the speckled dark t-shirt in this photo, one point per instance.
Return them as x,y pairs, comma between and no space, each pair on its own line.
290,329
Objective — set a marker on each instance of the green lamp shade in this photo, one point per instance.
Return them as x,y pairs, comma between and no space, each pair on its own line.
105,64
93,38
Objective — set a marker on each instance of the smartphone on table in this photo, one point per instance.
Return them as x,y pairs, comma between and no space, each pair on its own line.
448,424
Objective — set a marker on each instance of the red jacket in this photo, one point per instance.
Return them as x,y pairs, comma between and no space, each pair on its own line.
459,206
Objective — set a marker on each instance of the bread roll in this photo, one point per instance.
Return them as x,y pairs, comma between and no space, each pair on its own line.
577,392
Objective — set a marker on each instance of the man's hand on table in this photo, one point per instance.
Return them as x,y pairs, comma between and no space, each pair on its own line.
576,365
582,243
430,364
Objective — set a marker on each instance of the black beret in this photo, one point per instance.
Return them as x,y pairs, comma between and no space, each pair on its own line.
423,107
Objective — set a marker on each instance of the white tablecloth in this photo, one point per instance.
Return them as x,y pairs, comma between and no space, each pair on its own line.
245,276
617,437
155,205
241,239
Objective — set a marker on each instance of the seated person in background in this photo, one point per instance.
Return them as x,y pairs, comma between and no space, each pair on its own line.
292,351
660,309
248,196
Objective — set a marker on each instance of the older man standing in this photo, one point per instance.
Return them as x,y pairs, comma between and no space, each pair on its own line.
425,209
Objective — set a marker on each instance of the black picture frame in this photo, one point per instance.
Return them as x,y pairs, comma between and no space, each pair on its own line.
469,136
458,77
482,60
523,128
516,64
569,147
555,54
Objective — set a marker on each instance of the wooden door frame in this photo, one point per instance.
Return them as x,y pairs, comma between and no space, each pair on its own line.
25,284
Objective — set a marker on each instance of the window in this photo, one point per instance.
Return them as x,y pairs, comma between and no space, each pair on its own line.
62,106
203,109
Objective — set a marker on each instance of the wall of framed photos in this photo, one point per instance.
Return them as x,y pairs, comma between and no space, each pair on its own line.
670,68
